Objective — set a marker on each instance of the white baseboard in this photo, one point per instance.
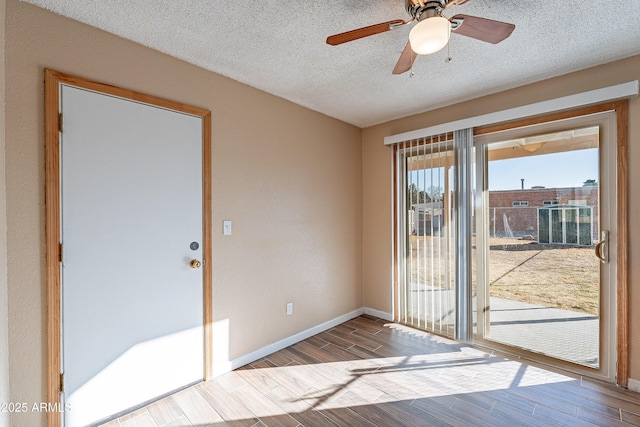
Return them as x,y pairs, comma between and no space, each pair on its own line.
279,345
634,385
377,313
286,342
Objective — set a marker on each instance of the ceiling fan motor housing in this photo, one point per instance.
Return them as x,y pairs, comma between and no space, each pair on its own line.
425,9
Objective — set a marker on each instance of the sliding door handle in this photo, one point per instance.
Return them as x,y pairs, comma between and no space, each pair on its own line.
602,248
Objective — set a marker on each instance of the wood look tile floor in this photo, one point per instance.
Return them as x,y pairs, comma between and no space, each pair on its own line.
369,372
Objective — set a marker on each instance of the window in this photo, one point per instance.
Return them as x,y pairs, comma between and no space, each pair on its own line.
549,203
519,204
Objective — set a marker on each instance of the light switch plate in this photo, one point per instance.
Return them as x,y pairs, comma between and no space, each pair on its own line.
226,228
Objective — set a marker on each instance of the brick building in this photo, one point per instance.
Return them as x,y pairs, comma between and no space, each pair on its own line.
516,213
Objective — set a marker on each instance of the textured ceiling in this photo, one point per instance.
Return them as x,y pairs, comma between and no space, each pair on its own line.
279,47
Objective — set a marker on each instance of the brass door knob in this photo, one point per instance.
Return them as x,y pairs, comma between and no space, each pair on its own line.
195,263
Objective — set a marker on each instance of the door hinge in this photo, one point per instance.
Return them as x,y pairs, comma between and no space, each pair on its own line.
60,122
60,253
61,383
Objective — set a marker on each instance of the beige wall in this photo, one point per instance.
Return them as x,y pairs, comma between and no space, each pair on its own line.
4,318
288,178
376,166
310,203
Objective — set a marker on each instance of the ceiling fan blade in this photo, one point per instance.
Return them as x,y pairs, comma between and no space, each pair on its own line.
348,36
487,30
405,62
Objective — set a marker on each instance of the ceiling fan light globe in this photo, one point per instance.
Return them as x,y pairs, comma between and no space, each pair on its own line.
430,35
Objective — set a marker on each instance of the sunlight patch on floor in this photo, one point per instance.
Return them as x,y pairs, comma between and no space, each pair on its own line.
298,388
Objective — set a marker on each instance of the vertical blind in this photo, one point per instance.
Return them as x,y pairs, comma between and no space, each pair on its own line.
425,191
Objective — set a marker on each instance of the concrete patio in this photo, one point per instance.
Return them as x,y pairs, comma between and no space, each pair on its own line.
563,334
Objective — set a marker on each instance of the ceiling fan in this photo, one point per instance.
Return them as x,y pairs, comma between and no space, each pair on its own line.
432,31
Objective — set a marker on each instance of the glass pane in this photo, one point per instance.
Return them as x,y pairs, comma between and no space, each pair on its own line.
543,225
587,226
544,280
556,226
571,221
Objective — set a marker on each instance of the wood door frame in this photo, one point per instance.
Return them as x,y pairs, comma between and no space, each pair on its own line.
621,109
53,81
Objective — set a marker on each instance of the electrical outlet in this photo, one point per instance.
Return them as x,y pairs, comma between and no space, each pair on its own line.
289,308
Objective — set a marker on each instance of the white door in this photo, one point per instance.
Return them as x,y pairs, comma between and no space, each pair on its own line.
132,305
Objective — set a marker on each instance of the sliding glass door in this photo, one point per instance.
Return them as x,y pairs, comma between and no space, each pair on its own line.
522,257
544,276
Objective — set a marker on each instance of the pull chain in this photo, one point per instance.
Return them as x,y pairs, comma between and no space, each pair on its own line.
411,73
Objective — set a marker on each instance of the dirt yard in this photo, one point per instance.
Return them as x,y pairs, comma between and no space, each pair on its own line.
565,277
557,276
